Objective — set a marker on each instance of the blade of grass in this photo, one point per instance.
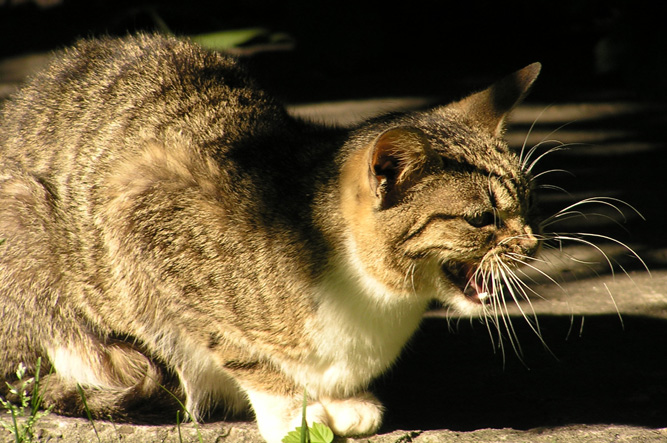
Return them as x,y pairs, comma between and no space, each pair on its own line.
194,422
36,399
85,406
178,426
19,438
305,434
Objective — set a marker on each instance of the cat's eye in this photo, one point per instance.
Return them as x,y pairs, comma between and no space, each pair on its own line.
481,219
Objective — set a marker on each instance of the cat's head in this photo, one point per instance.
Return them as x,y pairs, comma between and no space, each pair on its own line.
436,203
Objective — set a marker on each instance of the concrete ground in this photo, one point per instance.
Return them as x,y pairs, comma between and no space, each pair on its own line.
596,372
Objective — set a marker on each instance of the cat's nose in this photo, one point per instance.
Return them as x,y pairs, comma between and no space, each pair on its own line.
529,241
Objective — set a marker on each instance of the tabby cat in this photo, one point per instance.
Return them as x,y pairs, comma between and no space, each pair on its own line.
163,215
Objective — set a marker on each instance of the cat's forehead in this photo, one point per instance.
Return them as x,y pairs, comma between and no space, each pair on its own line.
459,140
474,185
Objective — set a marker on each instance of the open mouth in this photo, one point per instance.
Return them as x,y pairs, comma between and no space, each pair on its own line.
468,280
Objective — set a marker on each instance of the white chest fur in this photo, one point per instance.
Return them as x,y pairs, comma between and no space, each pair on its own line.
359,330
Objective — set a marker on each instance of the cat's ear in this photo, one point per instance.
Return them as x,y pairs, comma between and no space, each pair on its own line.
395,157
491,106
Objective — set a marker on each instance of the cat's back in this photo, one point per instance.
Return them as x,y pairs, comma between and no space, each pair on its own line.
121,134
109,96
150,156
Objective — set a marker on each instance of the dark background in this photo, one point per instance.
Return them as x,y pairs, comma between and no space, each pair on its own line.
343,49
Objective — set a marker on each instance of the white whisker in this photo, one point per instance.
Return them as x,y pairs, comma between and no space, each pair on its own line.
509,327
610,239
530,131
607,201
529,167
560,146
560,217
513,284
531,151
553,188
591,244
565,254
613,300
550,171
538,270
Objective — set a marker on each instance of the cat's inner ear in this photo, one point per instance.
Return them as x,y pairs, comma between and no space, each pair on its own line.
395,157
491,106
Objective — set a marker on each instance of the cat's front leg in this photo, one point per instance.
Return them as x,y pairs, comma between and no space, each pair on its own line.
279,414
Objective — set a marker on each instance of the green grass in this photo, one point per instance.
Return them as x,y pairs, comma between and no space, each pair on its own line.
225,39
317,433
28,407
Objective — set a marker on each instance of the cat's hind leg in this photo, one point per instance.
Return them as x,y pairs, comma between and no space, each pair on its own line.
110,379
41,313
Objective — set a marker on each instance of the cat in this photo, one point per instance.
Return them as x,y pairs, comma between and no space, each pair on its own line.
162,216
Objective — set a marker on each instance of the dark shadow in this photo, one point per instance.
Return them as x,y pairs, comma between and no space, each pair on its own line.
602,374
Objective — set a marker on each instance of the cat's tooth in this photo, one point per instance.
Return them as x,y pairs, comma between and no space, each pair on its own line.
482,295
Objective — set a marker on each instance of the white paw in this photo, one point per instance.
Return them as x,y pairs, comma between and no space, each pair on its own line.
354,416
277,415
